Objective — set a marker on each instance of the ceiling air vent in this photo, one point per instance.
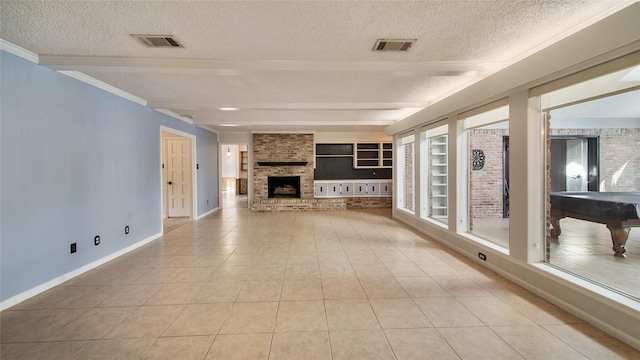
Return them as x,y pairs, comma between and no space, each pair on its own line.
393,44
158,41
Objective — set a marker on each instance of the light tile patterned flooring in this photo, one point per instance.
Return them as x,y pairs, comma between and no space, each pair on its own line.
296,285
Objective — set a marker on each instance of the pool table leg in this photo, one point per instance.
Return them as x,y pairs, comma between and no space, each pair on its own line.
555,223
619,236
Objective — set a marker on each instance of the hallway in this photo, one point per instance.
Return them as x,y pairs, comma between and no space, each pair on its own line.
296,285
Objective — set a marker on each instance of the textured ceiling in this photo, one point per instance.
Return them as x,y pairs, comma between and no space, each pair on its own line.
292,64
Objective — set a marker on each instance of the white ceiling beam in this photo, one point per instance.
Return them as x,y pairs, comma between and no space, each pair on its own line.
230,68
284,106
300,122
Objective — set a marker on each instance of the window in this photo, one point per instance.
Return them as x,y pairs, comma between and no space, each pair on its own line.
435,168
406,173
593,174
487,136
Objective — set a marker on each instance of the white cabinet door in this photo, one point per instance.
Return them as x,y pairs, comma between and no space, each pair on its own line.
333,189
373,188
385,189
321,189
346,189
360,189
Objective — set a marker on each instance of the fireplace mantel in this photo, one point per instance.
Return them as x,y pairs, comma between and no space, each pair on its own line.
282,163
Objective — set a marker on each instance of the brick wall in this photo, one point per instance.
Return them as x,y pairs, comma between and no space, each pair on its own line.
299,204
486,185
369,202
409,177
281,147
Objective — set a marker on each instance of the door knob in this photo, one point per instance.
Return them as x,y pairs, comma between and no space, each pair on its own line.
170,183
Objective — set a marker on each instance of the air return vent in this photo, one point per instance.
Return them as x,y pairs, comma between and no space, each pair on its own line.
393,44
158,41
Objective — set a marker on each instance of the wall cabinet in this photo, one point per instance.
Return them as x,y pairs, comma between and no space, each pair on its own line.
352,188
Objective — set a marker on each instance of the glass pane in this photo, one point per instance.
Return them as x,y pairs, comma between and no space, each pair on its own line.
593,180
436,172
488,176
406,172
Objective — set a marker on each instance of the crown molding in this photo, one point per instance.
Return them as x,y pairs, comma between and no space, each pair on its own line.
104,86
174,115
19,51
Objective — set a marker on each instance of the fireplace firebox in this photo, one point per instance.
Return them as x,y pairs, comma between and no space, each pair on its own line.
284,186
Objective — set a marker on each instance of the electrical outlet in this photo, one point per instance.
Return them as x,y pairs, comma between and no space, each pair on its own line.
96,240
482,256
126,230
74,248
207,201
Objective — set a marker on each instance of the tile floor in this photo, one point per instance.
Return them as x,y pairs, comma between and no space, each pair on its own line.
305,285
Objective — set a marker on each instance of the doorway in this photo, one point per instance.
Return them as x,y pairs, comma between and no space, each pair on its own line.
178,190
574,163
234,173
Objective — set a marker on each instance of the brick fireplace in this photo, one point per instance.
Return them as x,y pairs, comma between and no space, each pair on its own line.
286,156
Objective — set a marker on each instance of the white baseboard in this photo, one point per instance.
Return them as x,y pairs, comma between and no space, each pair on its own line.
207,213
14,300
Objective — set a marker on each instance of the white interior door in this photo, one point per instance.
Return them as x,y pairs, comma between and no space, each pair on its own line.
178,177
577,165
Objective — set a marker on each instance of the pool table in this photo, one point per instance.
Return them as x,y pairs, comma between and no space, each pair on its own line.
618,210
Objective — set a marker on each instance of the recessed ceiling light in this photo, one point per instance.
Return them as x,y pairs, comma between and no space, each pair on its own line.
228,108
228,125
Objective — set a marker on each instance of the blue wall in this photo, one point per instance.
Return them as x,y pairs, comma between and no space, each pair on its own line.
76,162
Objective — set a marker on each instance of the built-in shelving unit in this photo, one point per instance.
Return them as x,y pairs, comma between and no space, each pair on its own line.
339,161
387,154
373,155
334,150
242,185
244,161
439,177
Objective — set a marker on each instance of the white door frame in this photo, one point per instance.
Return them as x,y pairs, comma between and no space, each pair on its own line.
194,188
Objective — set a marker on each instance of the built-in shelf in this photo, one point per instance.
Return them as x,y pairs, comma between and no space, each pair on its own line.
373,155
439,174
244,160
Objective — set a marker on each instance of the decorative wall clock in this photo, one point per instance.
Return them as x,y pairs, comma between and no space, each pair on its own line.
477,159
